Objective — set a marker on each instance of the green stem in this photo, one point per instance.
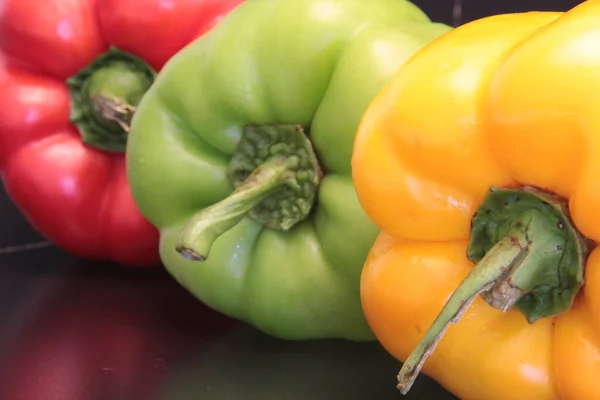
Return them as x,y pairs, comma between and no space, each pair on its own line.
528,254
198,236
104,97
276,175
496,263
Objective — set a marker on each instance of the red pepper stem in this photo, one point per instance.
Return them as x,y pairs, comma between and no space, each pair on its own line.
496,264
104,97
199,234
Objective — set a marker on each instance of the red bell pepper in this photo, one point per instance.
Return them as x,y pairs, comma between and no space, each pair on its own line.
71,74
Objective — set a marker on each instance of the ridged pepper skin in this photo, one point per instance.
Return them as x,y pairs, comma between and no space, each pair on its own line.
61,160
240,155
505,103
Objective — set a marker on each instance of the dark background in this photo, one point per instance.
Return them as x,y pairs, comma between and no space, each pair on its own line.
72,330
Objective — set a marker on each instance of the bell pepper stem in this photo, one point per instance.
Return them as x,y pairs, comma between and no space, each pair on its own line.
104,96
498,262
275,173
115,109
199,234
528,254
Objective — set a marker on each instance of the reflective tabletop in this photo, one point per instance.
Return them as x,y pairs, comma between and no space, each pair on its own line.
75,330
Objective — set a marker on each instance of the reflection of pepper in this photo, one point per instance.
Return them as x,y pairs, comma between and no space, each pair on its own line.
67,178
506,103
273,115
270,369
93,338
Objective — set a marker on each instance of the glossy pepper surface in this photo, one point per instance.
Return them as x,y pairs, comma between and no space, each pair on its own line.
71,74
243,162
480,162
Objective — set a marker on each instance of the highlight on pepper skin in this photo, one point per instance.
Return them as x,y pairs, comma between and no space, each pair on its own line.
486,275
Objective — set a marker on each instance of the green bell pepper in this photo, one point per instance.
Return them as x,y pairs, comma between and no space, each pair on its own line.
240,155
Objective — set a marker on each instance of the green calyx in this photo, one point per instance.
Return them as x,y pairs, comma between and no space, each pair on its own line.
529,255
548,276
104,96
275,173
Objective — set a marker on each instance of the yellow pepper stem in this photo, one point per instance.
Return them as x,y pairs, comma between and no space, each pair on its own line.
528,254
497,263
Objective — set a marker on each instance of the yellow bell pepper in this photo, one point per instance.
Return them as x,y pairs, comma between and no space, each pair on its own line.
480,162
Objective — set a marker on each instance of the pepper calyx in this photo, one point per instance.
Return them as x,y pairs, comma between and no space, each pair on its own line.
104,96
550,273
529,255
275,174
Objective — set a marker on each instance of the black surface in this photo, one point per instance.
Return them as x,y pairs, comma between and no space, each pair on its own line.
439,11
474,9
15,229
73,330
